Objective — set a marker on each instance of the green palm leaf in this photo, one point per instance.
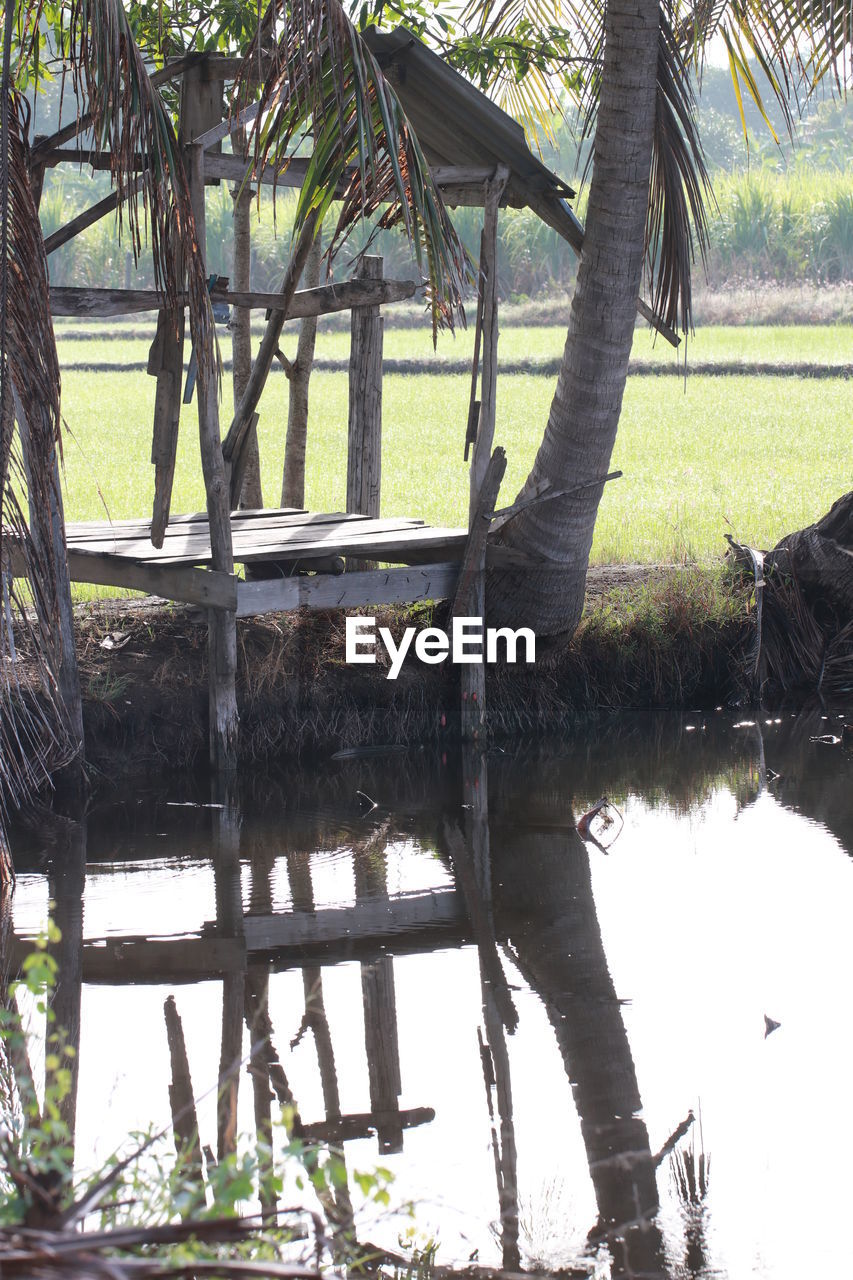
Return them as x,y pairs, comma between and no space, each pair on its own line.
325,85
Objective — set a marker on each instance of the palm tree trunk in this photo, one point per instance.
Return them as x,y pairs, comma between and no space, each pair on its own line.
585,411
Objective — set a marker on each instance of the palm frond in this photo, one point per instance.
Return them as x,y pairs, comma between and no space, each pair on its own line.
537,54
679,190
324,84
34,736
129,119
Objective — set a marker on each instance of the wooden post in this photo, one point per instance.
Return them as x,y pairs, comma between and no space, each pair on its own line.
489,283
166,364
470,599
201,107
241,328
364,435
472,602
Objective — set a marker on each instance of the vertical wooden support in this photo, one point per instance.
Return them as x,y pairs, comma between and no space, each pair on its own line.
364,436
166,364
202,101
489,283
470,599
241,328
473,675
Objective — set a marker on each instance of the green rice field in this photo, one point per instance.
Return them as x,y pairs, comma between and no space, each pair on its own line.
751,456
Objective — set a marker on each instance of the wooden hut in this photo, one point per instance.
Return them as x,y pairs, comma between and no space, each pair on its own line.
479,157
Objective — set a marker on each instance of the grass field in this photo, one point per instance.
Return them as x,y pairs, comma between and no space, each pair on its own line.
825,344
752,456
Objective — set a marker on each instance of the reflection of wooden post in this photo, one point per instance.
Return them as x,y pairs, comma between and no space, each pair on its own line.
229,920
302,892
471,859
65,888
380,1017
364,448
182,1103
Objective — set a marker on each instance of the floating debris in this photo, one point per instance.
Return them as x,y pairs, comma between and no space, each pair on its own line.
601,824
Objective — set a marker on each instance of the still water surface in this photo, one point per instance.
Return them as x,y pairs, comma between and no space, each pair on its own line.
514,1021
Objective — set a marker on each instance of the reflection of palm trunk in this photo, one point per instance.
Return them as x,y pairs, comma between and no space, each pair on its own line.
544,904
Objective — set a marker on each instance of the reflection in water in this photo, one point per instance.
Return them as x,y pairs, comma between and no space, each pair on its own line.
472,861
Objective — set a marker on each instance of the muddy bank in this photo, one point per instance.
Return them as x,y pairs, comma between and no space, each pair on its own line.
650,638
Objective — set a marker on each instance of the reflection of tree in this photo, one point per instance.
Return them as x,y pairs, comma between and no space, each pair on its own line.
544,907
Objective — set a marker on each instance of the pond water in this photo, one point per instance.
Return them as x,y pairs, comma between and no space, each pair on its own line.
519,1024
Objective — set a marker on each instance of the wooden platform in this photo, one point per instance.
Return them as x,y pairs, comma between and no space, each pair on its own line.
120,554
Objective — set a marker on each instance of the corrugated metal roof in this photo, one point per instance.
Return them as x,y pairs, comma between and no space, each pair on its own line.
458,125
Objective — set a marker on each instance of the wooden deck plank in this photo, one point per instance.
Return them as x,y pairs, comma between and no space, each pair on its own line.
76,528
348,590
393,545
121,538
194,548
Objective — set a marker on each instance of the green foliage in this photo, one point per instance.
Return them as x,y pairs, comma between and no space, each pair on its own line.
151,1189
38,1140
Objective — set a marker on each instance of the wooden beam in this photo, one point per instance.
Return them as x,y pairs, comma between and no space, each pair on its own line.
338,1129
173,582
68,300
376,920
86,219
347,591
227,127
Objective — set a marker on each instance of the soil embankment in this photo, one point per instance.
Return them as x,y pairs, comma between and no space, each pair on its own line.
662,637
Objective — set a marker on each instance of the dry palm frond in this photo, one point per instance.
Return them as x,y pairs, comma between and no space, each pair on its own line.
33,732
680,188
326,85
129,119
